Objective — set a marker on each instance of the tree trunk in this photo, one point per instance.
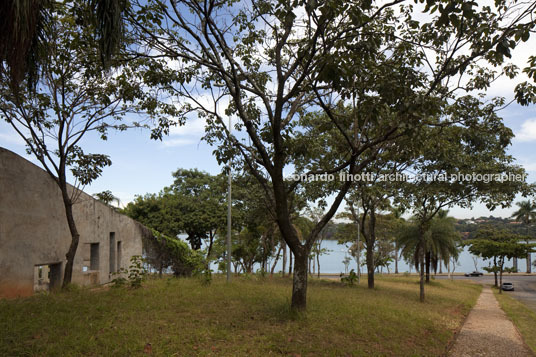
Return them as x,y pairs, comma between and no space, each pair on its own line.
421,272
370,238
396,258
290,255
276,260
515,264
529,263
209,250
427,264
495,271
299,282
318,260
284,257
75,237
421,255
370,267
500,275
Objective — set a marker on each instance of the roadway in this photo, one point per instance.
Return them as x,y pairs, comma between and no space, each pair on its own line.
524,286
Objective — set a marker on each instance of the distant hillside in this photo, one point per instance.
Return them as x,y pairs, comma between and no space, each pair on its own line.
468,227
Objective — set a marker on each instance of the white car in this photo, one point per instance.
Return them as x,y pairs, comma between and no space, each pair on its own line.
507,287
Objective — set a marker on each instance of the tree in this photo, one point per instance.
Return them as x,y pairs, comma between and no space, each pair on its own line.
201,198
498,245
73,98
373,195
28,27
107,197
397,225
526,214
194,204
275,61
445,242
440,243
460,164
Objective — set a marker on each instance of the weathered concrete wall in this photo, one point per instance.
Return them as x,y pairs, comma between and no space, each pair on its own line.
34,231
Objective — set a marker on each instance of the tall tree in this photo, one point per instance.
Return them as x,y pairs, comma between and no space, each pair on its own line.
274,61
526,214
461,164
202,200
73,98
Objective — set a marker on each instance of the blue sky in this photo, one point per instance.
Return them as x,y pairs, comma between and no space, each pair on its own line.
141,165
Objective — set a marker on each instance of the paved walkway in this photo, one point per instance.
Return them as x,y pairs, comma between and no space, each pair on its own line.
488,332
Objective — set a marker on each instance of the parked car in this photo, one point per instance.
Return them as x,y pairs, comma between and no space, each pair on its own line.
474,273
508,286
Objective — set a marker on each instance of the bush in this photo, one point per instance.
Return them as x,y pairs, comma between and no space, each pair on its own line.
166,252
350,279
136,274
136,271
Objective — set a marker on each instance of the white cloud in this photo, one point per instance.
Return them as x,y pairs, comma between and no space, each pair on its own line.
12,139
527,131
174,142
529,166
193,126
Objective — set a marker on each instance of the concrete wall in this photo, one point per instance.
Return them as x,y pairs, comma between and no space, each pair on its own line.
34,231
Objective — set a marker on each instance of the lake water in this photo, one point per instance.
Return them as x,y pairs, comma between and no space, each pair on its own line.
332,262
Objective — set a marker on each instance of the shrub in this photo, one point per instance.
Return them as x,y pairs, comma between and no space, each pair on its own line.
135,274
164,252
350,279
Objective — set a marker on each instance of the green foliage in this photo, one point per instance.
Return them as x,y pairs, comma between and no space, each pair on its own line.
492,269
119,281
194,204
136,271
501,244
441,241
206,277
175,254
350,279
133,276
510,270
106,197
526,212
497,246
376,94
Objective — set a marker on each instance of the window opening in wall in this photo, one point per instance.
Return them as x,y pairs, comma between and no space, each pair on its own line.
47,277
119,253
94,256
112,253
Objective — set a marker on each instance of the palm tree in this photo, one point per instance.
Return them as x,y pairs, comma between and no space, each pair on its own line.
444,240
24,33
525,214
440,243
107,197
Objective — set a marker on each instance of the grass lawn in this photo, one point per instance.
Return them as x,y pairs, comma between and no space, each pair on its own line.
523,317
249,317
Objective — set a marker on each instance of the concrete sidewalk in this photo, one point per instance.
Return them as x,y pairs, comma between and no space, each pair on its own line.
488,332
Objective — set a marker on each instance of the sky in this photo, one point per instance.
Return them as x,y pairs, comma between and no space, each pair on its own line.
141,165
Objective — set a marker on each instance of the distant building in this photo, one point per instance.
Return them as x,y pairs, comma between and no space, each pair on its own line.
34,236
